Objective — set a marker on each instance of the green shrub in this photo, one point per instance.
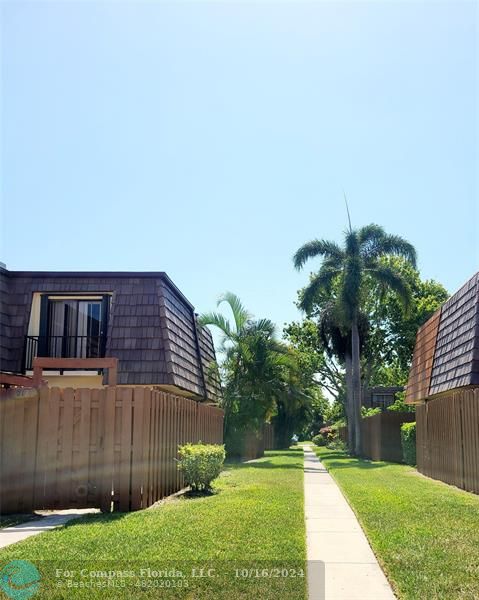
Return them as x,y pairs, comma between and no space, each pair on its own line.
399,404
325,436
369,412
337,444
408,442
200,464
337,424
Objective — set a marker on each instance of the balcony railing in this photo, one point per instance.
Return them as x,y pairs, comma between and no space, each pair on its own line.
61,346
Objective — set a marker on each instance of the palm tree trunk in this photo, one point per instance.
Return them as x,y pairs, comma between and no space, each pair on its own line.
349,400
356,364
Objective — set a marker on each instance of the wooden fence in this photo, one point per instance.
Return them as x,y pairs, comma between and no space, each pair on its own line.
269,437
111,448
381,435
447,438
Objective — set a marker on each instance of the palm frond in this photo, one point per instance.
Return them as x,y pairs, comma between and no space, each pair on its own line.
375,243
396,245
217,320
264,326
315,248
389,278
240,315
320,282
370,233
332,331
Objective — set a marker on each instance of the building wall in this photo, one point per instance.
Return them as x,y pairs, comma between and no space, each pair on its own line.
5,359
446,354
372,396
444,382
178,330
456,359
151,328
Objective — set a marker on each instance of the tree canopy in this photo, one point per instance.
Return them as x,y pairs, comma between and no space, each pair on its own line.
390,333
262,378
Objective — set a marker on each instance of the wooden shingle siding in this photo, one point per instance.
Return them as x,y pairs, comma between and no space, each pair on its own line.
422,361
208,357
457,346
184,360
446,355
4,320
151,327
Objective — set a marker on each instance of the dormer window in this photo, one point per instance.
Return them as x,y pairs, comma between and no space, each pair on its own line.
73,326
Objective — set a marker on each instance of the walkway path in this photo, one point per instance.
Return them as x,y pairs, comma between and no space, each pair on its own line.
348,569
17,533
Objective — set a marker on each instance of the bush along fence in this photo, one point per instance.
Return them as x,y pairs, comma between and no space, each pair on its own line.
381,435
201,464
408,442
448,438
111,448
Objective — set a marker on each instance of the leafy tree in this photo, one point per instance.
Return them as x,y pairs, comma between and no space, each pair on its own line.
312,358
326,348
400,404
350,268
390,345
294,403
320,412
260,374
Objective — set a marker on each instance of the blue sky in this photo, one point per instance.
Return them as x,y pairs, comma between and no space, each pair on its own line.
210,140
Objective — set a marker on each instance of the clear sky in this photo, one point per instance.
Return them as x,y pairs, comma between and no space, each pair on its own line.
210,140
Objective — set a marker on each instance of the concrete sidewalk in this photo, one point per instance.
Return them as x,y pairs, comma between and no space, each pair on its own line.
334,537
17,533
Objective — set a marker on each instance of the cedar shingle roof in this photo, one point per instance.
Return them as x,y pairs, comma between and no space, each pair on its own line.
422,360
151,329
446,355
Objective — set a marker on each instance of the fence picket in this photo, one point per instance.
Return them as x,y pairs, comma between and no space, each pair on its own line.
80,447
137,465
448,438
126,395
82,474
107,448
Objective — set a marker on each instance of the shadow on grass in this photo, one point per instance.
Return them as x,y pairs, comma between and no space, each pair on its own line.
341,460
267,464
192,494
106,518
95,518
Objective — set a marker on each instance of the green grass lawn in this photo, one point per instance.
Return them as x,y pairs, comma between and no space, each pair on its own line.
251,532
424,533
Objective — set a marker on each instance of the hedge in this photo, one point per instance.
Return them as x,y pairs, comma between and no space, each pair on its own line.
200,464
319,440
408,442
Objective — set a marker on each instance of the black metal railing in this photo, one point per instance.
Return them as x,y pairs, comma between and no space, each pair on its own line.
63,346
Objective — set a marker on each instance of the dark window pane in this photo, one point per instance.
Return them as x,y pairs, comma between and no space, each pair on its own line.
74,328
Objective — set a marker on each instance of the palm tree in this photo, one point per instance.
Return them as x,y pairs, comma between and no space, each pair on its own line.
247,344
348,270
253,367
336,340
